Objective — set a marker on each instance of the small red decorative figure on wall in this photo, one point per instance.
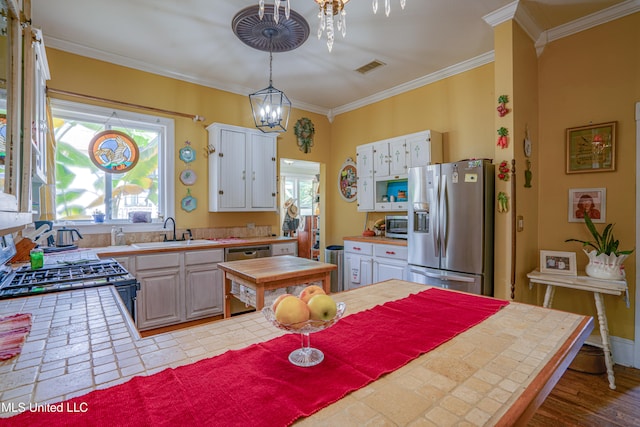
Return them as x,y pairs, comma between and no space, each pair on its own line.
502,139
502,107
503,171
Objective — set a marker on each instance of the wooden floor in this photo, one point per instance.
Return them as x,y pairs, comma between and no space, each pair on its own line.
586,400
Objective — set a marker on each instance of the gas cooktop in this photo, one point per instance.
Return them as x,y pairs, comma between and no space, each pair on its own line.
61,277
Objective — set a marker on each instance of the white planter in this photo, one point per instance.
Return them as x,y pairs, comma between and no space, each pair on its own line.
608,267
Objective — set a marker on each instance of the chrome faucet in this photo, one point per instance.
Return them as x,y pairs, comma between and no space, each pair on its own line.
174,228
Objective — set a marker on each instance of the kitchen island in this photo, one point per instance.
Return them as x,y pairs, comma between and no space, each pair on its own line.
267,274
497,372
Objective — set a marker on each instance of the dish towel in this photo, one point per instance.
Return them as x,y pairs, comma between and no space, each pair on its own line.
13,332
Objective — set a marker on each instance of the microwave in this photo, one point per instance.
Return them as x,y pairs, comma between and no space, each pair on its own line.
396,226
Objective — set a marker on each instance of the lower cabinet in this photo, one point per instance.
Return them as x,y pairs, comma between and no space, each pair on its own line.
204,289
366,263
178,286
390,262
159,298
288,248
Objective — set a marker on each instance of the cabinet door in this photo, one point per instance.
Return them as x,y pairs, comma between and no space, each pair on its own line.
397,157
232,170
290,248
262,182
203,291
358,271
424,148
159,299
39,114
381,158
364,163
384,270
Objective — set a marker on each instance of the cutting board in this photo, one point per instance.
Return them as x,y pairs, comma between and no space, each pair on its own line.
23,247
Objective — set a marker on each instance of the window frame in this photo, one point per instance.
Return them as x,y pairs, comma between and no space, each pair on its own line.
166,155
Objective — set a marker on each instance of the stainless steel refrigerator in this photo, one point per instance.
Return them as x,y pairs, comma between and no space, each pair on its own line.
450,237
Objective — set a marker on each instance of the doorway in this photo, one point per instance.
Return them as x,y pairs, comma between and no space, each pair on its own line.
300,206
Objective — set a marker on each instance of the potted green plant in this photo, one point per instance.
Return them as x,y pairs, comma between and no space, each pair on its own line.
605,260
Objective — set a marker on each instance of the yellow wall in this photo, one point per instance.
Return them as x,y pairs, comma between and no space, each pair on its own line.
461,107
100,79
590,77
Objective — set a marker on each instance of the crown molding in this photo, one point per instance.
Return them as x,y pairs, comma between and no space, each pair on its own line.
504,14
461,67
612,13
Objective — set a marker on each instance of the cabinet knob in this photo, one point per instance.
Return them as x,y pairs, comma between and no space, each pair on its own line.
220,192
220,155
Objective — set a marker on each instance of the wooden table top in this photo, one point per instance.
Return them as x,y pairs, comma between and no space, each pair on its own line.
263,270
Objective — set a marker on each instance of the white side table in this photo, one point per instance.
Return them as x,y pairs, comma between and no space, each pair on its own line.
586,283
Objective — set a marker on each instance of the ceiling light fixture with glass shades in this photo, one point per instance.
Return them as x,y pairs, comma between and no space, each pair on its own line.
327,15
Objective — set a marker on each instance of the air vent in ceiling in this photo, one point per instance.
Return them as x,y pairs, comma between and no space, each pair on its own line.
370,66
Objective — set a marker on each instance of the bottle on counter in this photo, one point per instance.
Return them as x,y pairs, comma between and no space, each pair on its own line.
120,238
114,231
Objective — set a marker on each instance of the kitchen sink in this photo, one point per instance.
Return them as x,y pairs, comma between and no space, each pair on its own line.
171,244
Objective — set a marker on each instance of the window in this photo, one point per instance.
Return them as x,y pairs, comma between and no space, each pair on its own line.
301,190
143,194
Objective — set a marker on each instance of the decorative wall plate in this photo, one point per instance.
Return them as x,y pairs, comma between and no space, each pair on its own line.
188,177
347,181
113,151
187,154
189,202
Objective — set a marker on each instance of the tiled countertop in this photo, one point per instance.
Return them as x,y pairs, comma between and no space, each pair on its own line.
80,341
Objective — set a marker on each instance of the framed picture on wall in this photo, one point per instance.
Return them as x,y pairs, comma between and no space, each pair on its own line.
591,148
554,262
589,201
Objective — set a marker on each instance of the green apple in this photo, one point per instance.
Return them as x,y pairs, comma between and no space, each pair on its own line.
311,291
291,310
322,307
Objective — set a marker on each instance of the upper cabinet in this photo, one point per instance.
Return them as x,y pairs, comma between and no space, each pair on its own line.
242,169
39,126
383,168
15,104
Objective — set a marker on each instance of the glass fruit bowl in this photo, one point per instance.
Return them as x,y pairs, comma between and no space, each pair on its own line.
306,355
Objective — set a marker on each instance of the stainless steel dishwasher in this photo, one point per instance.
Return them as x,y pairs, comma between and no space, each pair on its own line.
240,253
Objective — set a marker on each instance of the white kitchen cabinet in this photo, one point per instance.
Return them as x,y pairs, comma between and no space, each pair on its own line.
424,148
288,248
366,187
242,169
381,158
39,125
392,159
397,156
366,263
358,264
203,286
389,262
160,298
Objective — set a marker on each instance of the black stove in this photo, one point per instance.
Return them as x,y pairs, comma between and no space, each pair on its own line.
66,276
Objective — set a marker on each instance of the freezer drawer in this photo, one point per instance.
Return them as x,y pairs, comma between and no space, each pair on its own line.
445,279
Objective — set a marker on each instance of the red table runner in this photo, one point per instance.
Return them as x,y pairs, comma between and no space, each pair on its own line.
258,386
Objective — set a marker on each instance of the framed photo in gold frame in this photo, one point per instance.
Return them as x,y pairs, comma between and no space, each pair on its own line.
591,148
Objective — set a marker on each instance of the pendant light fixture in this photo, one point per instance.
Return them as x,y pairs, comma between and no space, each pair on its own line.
270,106
331,12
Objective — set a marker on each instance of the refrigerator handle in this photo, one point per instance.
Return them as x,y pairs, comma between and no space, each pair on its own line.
435,215
444,218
